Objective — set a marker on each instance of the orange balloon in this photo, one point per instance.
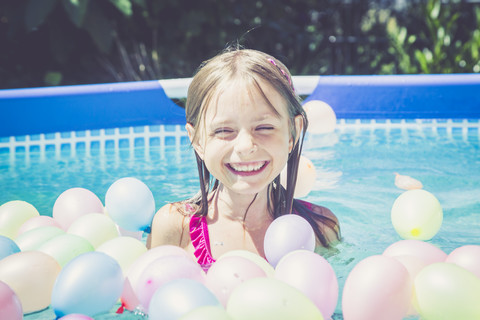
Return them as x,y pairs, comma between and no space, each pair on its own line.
31,275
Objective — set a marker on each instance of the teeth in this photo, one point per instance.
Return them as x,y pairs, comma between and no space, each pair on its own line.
248,167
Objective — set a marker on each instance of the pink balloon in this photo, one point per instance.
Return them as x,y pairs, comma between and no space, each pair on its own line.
229,272
40,221
10,305
74,203
378,287
423,250
468,257
313,275
163,270
413,265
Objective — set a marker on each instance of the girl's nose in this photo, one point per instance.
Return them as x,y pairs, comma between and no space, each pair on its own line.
245,143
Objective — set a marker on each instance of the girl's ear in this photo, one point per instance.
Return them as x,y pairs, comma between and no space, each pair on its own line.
191,135
298,122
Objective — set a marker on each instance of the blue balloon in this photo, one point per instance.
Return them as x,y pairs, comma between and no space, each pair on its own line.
7,247
178,297
130,203
89,284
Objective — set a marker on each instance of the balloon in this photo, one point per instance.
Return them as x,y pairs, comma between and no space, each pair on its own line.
123,249
74,203
151,255
378,287
89,284
413,265
33,239
75,316
36,222
178,297
269,298
321,117
313,276
130,203
447,291
406,182
227,273
7,247
258,260
65,247
31,275
10,305
207,313
468,257
13,214
285,234
425,251
306,177
163,270
95,227
417,214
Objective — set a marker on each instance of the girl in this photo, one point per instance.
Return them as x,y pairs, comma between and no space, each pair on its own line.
245,124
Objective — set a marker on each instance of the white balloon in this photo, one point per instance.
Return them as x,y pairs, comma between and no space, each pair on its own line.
321,117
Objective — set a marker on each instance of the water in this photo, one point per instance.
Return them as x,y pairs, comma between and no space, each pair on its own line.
355,167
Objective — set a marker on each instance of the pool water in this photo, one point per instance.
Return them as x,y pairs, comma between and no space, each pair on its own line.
355,168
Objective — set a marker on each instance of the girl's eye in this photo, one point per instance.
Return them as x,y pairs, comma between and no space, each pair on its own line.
222,131
265,128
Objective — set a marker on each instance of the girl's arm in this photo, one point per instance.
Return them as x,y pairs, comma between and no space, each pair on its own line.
168,227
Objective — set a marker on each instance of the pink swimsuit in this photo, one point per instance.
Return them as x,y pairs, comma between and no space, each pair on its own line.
201,240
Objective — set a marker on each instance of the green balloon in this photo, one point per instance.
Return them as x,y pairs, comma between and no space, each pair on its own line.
269,298
13,214
447,291
65,247
34,238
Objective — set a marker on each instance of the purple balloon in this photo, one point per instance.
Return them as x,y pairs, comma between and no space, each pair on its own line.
285,234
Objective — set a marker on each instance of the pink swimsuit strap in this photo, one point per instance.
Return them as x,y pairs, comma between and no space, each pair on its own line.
201,241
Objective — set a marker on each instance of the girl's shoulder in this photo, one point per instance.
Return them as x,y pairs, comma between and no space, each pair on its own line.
170,223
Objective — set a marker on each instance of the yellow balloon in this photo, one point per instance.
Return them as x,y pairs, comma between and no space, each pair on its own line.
97,228
447,291
417,214
269,298
31,275
65,247
33,239
306,177
13,214
123,249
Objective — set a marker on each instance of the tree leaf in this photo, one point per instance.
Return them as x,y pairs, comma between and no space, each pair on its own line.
435,9
100,29
76,10
37,11
125,6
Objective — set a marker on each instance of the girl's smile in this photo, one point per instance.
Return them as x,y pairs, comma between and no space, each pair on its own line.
247,168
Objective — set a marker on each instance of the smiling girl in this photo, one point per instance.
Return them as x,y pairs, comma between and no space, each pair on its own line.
246,124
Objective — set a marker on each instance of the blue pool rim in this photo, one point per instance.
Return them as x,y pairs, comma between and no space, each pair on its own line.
87,107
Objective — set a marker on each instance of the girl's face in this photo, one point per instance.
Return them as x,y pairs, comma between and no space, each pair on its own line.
243,141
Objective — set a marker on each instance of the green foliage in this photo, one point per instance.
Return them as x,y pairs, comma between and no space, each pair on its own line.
435,43
98,41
